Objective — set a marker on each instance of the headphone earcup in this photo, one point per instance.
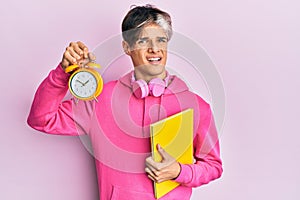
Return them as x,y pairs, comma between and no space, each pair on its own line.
140,88
156,87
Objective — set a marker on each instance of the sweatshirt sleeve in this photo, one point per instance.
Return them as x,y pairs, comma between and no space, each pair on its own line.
208,165
49,113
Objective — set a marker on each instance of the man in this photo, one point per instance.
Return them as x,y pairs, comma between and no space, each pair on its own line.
118,123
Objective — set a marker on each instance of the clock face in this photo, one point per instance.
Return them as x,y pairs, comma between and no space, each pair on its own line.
83,84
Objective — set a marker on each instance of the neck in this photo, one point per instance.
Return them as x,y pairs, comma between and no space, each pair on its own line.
148,77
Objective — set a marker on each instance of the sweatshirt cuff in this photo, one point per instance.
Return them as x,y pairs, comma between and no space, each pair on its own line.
185,175
60,76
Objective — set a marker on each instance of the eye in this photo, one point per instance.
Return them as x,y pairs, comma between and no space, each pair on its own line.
142,41
162,40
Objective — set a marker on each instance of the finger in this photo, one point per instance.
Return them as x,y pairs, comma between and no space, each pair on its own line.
160,180
69,57
84,62
151,178
81,45
85,53
151,175
150,172
152,164
84,48
73,53
78,50
153,170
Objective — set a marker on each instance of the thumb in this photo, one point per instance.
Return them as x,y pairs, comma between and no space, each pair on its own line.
162,152
91,56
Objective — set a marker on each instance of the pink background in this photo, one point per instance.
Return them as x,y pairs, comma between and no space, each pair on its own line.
254,44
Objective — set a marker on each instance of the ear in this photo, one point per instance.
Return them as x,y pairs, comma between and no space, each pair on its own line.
126,47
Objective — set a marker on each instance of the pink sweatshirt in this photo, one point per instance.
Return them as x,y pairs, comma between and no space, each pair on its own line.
118,127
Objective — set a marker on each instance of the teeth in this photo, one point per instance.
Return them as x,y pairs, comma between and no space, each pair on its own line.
153,59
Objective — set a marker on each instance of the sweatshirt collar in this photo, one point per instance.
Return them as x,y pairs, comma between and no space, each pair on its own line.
176,84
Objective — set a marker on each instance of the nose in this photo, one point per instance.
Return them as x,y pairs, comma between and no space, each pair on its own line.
153,47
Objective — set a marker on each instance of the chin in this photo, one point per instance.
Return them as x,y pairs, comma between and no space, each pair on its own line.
151,70
156,69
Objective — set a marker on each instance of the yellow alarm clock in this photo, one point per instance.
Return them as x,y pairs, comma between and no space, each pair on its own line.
85,83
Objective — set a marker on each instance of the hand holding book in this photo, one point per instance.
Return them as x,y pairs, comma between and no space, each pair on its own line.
167,169
171,144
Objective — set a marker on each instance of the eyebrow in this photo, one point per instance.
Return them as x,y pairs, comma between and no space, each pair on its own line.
143,38
159,37
163,38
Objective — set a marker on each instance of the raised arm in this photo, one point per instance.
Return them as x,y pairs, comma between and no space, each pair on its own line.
49,113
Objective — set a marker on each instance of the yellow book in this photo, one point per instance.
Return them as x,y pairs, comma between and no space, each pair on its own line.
175,136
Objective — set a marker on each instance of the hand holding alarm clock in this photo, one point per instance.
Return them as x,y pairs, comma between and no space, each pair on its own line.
85,83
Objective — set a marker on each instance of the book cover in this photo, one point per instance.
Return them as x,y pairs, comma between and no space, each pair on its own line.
175,136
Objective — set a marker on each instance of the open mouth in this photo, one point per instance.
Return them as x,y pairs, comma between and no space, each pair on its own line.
154,59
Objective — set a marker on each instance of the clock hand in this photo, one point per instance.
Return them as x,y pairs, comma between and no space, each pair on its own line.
80,82
86,82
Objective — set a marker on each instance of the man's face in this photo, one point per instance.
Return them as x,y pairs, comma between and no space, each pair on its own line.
149,52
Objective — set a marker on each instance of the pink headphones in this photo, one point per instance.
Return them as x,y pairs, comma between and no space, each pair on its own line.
155,87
